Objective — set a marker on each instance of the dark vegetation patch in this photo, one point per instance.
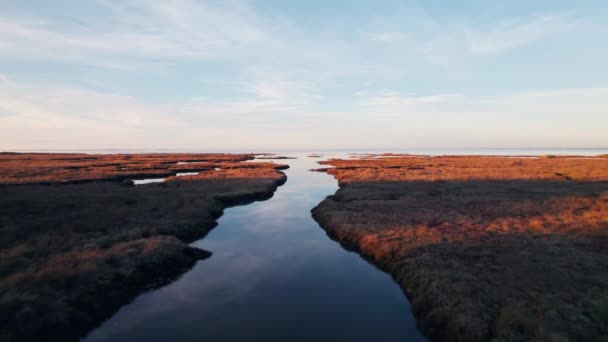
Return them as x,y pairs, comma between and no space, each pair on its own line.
72,253
486,248
274,157
320,169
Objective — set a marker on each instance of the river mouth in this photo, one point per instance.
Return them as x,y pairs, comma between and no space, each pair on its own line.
274,275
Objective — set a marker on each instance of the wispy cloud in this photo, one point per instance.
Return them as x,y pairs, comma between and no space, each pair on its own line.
396,99
389,37
183,72
443,40
514,34
39,117
135,32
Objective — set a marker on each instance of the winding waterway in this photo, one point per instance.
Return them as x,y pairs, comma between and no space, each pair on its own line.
275,276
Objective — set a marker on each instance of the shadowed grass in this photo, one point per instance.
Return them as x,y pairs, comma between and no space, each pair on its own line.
72,253
485,247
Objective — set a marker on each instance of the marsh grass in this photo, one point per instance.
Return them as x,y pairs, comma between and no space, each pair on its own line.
486,248
72,253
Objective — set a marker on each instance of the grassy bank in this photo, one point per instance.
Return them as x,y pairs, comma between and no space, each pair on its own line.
486,248
78,240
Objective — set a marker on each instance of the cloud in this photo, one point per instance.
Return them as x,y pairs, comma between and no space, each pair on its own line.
154,35
448,40
389,37
142,31
51,117
513,34
396,99
567,103
560,118
233,74
288,87
62,117
34,116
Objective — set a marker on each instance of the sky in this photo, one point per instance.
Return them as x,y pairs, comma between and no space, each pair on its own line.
181,74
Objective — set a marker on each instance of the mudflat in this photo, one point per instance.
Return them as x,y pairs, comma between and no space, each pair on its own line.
507,248
78,239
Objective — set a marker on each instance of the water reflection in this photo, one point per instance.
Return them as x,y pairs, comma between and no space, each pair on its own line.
181,174
274,275
160,180
148,181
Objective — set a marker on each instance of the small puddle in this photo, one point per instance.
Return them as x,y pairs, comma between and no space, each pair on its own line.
160,180
148,181
181,174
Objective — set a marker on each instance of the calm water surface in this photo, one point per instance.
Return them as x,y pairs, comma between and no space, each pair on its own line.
274,275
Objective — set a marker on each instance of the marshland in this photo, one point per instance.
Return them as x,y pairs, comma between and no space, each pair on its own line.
410,246
240,170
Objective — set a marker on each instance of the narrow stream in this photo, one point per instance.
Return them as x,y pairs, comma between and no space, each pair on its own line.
275,276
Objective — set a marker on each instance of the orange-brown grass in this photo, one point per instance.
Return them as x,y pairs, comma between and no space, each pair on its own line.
18,168
71,253
485,247
468,168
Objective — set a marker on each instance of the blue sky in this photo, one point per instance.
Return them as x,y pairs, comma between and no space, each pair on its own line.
303,74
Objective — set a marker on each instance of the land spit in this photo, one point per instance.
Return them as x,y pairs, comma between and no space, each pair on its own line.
486,248
78,240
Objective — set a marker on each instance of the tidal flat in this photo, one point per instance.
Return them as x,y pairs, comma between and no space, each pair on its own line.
79,240
505,248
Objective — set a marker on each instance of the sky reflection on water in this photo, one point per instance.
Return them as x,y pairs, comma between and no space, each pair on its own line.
274,275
